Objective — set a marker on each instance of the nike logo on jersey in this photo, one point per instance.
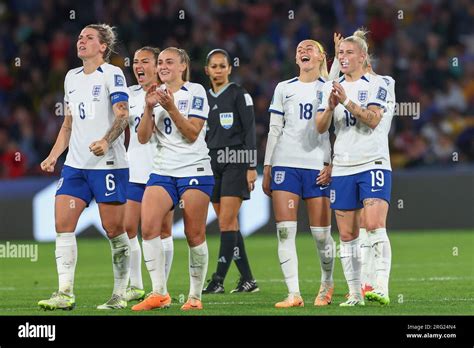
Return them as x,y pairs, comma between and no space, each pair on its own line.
132,106
376,190
72,91
289,96
107,194
323,187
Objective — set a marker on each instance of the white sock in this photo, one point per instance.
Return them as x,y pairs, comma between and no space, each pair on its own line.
382,257
120,246
367,274
198,260
168,248
351,264
155,263
326,250
66,259
135,263
286,233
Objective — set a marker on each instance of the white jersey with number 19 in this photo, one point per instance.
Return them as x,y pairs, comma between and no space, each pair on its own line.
89,98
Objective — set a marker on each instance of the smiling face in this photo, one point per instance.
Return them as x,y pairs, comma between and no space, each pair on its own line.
308,55
88,44
218,69
351,57
145,67
170,67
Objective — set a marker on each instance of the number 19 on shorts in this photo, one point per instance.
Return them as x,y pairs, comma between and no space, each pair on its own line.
377,178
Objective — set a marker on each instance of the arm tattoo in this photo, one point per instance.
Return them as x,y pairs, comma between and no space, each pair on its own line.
117,128
365,115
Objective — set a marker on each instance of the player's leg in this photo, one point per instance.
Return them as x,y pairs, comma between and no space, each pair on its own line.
196,203
285,207
345,201
167,241
72,196
159,198
112,217
286,186
320,223
132,221
367,275
67,211
375,193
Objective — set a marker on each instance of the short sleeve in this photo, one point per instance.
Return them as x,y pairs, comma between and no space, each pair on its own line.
116,85
66,94
276,105
378,93
199,105
323,96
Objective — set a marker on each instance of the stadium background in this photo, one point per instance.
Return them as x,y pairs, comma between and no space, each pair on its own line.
427,46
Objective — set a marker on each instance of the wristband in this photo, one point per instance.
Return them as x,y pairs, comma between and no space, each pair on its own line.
346,101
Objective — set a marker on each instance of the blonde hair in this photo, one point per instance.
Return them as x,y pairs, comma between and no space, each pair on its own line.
323,68
107,36
184,58
360,39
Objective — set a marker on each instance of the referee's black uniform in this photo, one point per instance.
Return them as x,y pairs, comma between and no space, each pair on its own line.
231,140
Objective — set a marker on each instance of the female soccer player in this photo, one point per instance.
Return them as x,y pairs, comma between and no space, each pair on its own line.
140,157
295,157
231,131
361,174
181,174
96,164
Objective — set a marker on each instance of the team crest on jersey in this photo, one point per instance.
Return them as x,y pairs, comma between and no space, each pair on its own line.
198,103
96,90
119,82
319,97
279,177
363,95
332,196
382,94
226,119
182,105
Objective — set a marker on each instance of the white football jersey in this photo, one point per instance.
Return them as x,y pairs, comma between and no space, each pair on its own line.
177,156
359,148
90,98
299,145
140,156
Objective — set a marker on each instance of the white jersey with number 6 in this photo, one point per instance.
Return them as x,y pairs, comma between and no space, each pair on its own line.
140,156
299,145
359,148
90,97
176,156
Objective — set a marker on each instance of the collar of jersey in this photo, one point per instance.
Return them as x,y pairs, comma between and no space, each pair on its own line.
215,95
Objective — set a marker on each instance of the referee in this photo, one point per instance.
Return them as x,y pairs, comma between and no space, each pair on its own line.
232,144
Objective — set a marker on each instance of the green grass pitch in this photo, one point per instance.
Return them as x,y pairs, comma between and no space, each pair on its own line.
432,274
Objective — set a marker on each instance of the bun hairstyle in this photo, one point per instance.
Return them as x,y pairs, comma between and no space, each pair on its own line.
184,58
360,38
107,36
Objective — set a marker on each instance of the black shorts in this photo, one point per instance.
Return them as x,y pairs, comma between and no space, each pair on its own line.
230,179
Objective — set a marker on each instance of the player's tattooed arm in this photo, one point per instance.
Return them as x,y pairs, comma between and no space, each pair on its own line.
100,147
370,116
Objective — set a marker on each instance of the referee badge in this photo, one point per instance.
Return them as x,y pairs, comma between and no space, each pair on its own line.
279,177
226,119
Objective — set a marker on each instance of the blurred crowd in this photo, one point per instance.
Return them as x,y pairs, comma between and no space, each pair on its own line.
427,46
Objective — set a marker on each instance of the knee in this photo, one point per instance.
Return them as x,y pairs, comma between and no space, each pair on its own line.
64,226
196,240
112,228
132,230
228,224
148,231
374,224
